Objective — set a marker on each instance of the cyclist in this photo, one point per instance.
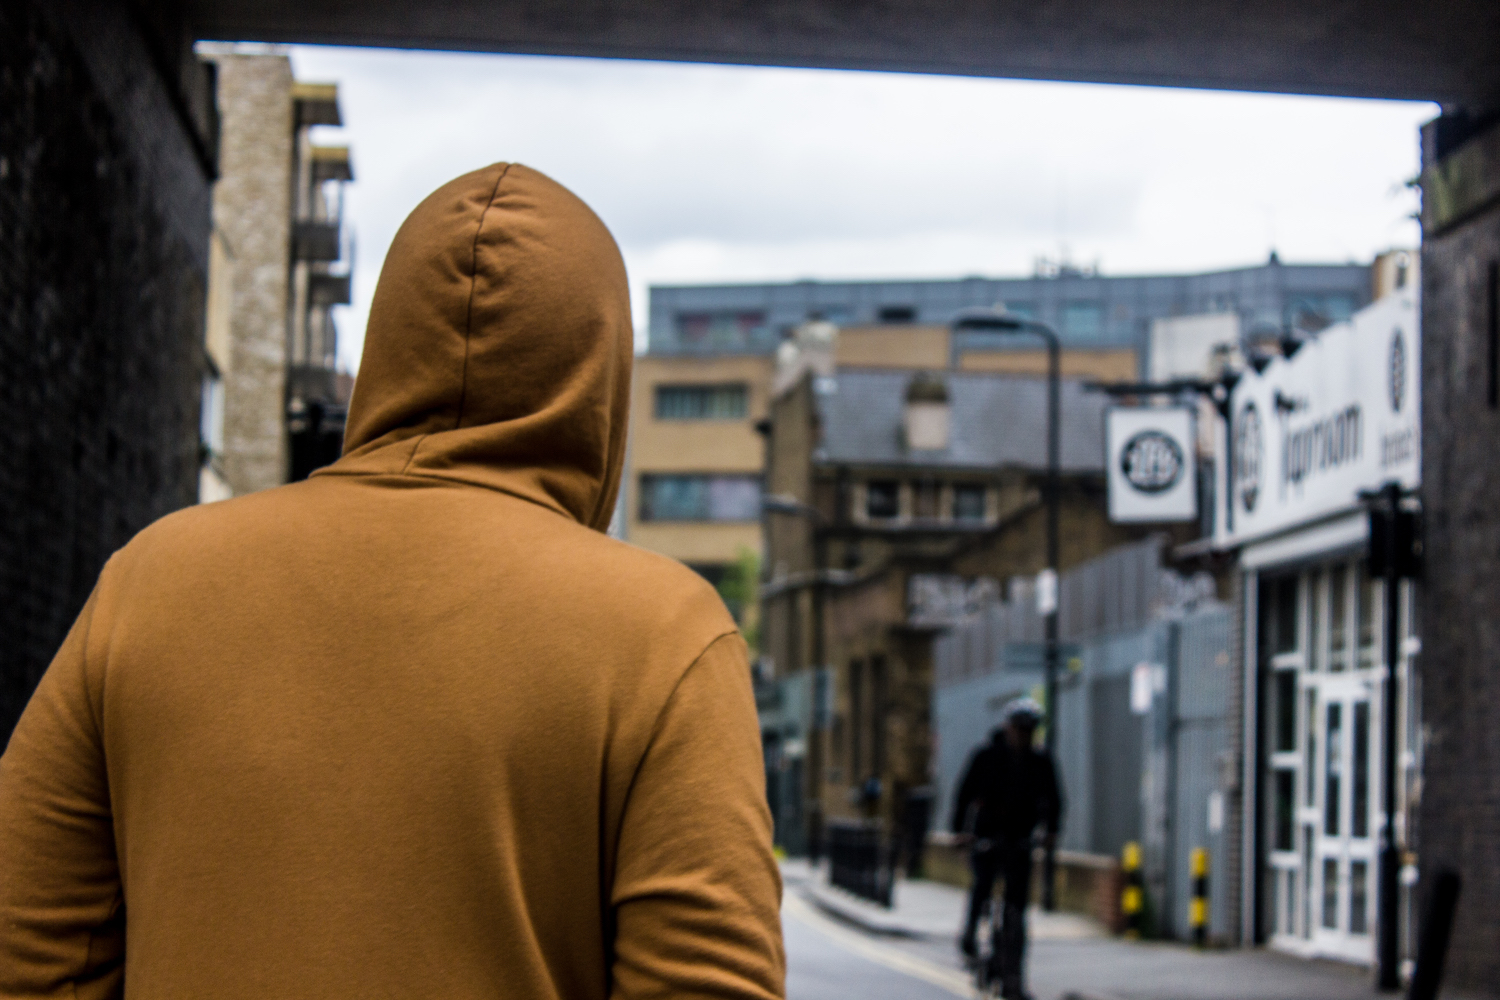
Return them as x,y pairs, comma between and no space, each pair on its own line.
1009,789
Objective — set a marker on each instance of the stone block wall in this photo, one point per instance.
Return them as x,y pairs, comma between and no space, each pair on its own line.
252,210
104,223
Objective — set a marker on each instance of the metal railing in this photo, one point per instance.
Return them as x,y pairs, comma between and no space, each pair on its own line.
859,861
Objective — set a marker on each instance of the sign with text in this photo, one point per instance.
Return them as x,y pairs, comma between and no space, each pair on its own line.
1307,434
1153,472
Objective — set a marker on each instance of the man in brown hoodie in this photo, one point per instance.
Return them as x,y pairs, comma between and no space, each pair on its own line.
415,727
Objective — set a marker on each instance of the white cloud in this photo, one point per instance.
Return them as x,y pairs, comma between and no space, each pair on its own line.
718,173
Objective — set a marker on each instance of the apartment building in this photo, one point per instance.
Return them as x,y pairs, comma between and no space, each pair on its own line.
274,399
693,475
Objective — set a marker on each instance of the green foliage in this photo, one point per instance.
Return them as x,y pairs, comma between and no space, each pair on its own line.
740,589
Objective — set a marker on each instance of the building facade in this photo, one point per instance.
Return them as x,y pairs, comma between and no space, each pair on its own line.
1305,436
712,348
891,495
281,268
1090,311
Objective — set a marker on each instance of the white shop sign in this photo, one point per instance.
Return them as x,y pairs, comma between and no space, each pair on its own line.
1310,432
1152,465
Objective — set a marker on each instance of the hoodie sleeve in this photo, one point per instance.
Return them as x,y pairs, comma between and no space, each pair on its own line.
62,926
697,892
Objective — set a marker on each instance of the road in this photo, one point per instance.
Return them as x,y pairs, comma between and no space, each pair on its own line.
827,960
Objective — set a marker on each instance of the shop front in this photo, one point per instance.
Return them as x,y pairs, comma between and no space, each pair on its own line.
1308,438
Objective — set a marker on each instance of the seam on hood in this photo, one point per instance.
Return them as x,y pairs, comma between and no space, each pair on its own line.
463,378
463,382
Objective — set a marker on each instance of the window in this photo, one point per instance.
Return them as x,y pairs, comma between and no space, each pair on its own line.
1359,897
1025,310
1311,774
699,498
1083,320
897,314
1333,755
1284,803
1338,616
719,329
968,502
1286,616
882,499
1331,893
700,402
1286,710
1359,808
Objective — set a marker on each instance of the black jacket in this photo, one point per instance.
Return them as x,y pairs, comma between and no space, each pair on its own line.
1005,794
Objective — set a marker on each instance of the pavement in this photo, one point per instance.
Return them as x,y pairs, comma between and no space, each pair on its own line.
841,946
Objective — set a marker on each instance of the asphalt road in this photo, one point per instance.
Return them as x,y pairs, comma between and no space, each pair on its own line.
826,960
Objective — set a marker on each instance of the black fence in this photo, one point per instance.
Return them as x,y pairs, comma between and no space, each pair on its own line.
859,861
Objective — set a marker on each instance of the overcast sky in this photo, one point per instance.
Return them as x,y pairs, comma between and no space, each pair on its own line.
721,173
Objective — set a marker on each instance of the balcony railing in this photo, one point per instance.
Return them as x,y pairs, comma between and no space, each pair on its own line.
316,241
329,289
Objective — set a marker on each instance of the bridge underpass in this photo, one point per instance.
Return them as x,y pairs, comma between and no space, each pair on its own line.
107,157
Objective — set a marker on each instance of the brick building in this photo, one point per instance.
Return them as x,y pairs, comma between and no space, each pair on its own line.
884,484
107,154
1459,601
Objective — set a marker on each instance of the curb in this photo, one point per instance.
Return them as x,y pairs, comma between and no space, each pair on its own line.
834,907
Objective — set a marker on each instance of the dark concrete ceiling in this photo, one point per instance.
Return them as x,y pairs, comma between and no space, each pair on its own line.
1447,51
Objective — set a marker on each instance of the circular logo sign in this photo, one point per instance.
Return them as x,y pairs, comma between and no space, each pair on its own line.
1397,371
1248,448
1152,462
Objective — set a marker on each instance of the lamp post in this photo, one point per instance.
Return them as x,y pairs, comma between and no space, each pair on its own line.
1395,555
999,321
778,503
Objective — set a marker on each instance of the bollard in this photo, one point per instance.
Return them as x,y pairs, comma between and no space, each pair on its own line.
1132,896
1198,909
1432,946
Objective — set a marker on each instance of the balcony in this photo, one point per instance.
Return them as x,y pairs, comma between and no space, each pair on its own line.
328,289
316,242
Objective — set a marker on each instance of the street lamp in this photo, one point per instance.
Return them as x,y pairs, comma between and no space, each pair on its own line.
781,503
1000,321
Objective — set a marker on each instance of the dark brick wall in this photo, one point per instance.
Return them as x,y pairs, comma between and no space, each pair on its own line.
1460,597
104,221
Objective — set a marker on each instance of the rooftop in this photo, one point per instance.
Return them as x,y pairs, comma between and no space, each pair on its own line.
996,421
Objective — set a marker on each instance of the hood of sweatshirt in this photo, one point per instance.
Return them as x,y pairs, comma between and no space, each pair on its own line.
499,347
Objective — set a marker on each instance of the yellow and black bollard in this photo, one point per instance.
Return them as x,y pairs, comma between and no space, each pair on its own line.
1198,911
1132,896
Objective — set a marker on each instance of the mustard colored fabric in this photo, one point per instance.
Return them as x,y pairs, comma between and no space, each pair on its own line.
414,727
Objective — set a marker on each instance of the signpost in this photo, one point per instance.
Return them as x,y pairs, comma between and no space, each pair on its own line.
1152,464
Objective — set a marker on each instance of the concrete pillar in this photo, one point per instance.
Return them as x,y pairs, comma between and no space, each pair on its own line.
253,211
1459,664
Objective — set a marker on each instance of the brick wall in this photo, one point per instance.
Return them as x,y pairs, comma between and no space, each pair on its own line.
104,210
1460,597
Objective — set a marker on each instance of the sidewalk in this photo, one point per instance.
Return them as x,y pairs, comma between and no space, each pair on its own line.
921,910
1072,958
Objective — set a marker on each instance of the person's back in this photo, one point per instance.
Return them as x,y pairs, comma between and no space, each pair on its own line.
414,727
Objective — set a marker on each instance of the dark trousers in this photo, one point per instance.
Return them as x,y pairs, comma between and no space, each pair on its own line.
1009,860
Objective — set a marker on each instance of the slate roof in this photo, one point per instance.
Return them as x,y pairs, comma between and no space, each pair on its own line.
997,420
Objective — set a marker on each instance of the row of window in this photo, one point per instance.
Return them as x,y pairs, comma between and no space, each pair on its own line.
731,497
964,501
701,402
700,498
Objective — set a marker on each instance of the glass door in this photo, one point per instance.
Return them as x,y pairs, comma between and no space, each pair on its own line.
1340,829
1318,634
